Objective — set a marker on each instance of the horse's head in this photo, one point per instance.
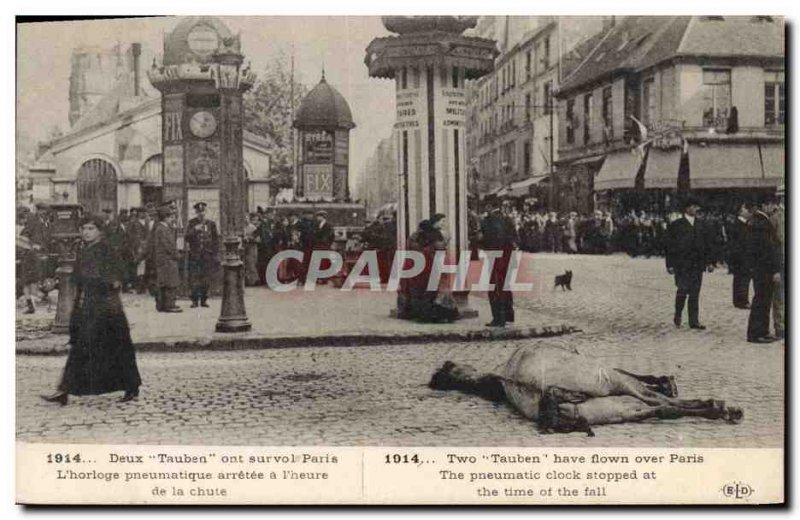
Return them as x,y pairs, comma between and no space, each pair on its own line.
444,379
467,379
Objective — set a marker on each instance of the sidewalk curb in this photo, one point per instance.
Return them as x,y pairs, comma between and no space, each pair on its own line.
245,342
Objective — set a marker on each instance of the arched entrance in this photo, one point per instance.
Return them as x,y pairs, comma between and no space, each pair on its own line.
97,186
152,181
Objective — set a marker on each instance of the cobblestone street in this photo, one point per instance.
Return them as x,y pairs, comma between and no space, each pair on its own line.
377,395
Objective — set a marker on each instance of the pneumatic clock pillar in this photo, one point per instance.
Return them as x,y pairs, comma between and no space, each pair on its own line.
227,63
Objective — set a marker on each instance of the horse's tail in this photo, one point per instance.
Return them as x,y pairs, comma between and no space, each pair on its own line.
468,380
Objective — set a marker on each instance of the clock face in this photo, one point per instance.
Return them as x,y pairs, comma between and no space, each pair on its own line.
203,124
203,40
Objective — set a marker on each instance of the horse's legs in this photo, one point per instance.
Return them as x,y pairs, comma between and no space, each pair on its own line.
662,384
621,409
628,385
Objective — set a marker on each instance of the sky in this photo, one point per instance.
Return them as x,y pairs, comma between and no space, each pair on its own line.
336,42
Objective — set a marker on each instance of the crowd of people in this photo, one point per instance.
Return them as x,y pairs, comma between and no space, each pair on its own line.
266,234
137,251
637,233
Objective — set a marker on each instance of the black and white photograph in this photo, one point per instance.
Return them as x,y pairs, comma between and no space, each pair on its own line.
539,232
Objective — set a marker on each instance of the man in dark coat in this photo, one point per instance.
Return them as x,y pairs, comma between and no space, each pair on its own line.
37,230
687,257
306,231
165,258
150,278
764,258
202,242
737,258
323,237
137,238
497,234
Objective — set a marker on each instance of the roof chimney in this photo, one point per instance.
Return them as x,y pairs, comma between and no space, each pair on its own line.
136,51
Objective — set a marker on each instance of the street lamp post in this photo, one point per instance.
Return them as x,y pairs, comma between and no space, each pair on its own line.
228,78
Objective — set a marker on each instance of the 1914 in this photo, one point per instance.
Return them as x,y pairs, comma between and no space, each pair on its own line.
63,458
402,458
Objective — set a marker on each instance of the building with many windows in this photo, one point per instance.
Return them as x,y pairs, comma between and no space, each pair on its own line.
668,104
511,138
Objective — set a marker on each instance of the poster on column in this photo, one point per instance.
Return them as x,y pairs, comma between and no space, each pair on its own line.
580,347
409,111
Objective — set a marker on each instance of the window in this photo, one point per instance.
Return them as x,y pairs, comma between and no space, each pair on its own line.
528,65
527,107
547,97
404,79
514,73
716,97
526,157
455,77
608,114
588,106
774,98
648,101
546,54
570,121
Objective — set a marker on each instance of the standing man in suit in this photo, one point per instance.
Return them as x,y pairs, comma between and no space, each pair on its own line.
687,257
778,219
165,258
323,237
764,257
497,234
202,242
737,258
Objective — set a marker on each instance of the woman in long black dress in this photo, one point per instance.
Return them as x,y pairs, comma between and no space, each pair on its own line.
101,356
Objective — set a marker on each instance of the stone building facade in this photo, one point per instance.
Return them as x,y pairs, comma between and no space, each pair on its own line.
111,156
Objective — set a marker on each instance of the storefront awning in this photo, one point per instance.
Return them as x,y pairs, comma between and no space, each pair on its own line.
774,157
662,168
727,166
618,171
521,188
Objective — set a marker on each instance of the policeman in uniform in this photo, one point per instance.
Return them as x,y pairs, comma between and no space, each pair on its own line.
202,242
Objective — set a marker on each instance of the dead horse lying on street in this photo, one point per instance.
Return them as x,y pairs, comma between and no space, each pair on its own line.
564,391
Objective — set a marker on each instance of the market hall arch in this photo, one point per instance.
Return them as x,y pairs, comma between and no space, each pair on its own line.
152,181
97,185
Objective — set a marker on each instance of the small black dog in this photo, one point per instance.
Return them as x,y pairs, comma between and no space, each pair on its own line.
564,280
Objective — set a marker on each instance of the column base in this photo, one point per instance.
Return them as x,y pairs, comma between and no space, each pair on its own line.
465,312
233,325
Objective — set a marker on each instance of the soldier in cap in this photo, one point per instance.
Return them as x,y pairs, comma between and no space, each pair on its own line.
687,256
165,259
202,242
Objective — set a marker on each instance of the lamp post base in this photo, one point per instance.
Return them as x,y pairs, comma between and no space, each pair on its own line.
233,316
66,296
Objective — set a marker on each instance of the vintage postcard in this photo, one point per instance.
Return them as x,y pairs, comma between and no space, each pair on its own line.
401,260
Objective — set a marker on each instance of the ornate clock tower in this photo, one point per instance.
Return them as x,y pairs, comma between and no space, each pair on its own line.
201,83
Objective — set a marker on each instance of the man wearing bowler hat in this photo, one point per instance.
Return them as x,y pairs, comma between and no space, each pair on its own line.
687,257
202,242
